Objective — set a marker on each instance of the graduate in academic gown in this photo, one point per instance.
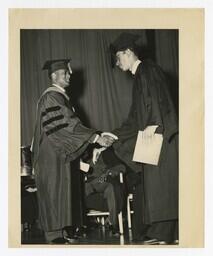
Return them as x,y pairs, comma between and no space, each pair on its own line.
156,197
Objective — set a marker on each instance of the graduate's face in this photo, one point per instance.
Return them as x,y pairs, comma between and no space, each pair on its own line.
62,77
123,60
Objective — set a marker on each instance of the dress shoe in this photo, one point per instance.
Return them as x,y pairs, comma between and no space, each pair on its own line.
81,232
150,241
154,241
114,230
69,234
162,242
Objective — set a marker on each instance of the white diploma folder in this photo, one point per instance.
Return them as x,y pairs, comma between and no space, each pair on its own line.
148,149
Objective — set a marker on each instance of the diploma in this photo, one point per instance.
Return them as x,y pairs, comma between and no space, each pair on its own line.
148,149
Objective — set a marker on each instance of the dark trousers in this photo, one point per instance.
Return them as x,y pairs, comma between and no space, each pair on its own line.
164,230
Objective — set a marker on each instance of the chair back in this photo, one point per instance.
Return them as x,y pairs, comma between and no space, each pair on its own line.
26,161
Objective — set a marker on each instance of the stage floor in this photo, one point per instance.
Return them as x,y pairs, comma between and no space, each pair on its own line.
99,235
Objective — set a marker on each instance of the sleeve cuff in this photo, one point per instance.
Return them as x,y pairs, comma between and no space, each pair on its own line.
94,138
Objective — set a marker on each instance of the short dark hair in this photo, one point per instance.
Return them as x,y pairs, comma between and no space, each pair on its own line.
135,49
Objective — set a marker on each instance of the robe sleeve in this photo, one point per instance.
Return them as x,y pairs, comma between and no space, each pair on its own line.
159,106
129,127
62,127
151,102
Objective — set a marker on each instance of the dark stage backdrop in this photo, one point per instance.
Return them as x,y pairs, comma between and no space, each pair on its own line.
102,94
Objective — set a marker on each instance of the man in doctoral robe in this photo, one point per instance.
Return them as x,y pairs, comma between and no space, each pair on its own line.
156,197
59,140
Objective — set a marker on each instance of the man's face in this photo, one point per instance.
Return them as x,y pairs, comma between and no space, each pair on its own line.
122,60
62,77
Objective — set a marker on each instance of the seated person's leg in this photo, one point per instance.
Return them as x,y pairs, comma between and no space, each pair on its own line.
107,167
109,195
89,189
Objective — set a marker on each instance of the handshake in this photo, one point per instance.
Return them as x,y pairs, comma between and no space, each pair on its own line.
106,139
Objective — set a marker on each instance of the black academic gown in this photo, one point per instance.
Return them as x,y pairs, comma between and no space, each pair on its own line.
152,105
59,140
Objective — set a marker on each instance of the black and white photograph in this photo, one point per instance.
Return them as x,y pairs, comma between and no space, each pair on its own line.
106,129
99,115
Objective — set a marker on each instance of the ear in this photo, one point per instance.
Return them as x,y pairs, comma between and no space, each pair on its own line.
53,76
128,52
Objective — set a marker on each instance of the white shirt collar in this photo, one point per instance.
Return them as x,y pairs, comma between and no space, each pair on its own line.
59,87
135,66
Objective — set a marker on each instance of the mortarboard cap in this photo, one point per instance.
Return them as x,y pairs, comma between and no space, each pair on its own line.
124,41
53,65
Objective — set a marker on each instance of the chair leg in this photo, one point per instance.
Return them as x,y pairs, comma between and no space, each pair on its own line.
102,221
98,219
120,222
129,213
121,239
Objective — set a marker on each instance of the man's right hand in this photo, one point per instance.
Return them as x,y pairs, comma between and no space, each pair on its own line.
105,141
